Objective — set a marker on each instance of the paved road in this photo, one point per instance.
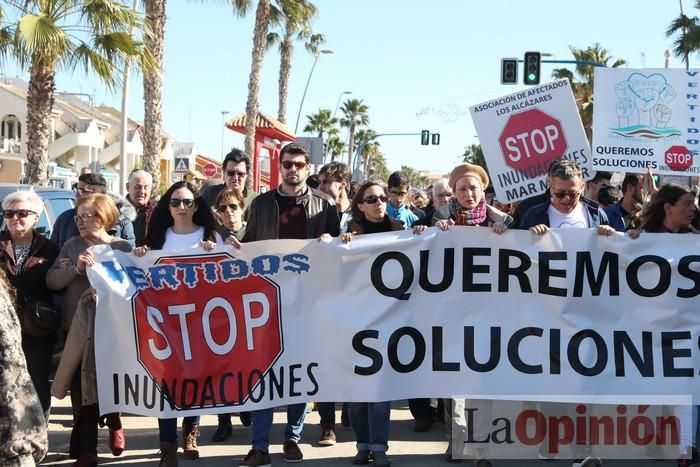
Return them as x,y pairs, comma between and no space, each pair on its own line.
406,448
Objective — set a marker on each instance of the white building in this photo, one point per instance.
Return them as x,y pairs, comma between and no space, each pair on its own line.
83,135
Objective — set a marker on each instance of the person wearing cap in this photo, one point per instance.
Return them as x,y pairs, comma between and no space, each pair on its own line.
468,205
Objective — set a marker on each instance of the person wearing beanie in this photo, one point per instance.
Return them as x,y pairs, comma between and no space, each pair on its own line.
468,205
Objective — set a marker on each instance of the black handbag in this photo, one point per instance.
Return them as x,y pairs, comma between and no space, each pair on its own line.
39,319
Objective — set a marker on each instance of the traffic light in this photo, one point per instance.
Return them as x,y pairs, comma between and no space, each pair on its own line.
425,137
509,71
435,139
532,67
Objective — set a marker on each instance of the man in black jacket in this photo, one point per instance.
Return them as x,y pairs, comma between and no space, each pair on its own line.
291,211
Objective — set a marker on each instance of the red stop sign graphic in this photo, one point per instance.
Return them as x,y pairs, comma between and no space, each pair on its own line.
678,158
209,170
531,140
210,345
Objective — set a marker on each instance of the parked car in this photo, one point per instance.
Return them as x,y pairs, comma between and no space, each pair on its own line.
56,201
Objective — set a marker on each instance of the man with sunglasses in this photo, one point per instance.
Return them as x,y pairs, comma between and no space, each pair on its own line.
566,207
292,211
65,228
236,167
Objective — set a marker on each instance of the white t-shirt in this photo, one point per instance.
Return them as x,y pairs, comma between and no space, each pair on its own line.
176,241
576,219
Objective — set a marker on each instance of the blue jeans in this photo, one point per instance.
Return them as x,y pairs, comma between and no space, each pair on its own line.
370,422
262,423
167,428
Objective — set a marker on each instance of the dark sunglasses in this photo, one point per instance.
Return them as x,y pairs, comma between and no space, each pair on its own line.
564,194
21,213
299,165
224,207
176,202
371,199
236,174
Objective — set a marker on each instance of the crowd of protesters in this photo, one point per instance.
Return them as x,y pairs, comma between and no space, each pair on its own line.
48,275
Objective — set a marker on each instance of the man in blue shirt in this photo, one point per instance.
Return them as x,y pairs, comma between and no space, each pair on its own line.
397,208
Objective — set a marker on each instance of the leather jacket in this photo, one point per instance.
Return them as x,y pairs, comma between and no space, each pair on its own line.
263,216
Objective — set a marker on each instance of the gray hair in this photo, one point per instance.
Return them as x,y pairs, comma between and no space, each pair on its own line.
140,173
565,169
441,184
24,196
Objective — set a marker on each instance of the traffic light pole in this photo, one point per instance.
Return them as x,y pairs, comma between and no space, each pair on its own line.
575,62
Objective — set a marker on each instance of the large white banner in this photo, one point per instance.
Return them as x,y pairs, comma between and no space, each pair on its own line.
647,117
395,316
522,133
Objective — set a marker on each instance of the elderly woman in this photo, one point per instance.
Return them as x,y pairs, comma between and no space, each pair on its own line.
468,205
95,215
230,206
26,256
370,420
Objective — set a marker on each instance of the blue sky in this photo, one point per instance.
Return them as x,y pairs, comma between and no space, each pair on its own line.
416,64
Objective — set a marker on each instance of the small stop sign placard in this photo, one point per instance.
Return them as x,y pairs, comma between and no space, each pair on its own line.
210,345
531,140
209,170
678,158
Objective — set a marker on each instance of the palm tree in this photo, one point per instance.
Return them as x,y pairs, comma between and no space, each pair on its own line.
689,40
414,178
262,20
294,21
583,87
51,34
334,147
153,90
321,123
354,115
475,155
369,149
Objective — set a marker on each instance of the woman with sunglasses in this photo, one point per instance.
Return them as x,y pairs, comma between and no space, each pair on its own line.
181,220
26,256
370,420
95,215
230,207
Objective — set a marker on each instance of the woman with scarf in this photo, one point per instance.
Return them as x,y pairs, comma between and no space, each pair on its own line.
468,207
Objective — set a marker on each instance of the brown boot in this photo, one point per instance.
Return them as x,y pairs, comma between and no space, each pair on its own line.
190,432
168,455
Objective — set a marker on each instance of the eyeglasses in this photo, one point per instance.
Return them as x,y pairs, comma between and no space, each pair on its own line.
298,164
564,194
224,207
82,218
176,202
445,195
371,199
398,193
21,213
235,174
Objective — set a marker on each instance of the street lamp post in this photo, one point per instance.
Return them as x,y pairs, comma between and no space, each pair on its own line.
337,106
301,105
223,128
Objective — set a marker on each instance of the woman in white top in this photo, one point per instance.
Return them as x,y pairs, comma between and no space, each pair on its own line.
181,220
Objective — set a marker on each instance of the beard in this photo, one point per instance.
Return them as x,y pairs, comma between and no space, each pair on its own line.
294,181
